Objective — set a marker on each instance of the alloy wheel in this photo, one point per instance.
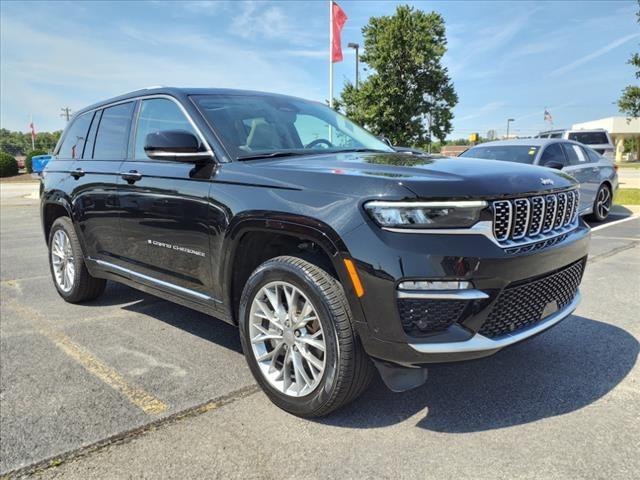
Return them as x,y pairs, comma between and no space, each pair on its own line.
603,202
287,339
62,261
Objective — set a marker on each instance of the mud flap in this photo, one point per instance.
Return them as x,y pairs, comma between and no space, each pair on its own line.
401,379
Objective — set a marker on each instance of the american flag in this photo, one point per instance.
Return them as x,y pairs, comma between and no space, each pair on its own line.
547,116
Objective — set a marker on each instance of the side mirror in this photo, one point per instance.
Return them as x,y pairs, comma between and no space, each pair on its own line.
176,145
556,165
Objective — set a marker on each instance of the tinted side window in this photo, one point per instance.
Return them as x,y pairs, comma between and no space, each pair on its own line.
574,153
91,137
157,115
589,138
553,153
74,140
113,132
593,156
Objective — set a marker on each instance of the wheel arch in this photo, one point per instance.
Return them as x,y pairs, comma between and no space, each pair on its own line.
54,205
286,228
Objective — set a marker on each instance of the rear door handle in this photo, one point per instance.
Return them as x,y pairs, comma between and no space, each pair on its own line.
131,176
77,173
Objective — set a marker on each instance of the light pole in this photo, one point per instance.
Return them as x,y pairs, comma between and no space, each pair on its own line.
509,120
355,46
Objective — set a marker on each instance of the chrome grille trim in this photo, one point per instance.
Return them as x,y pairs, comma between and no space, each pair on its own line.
529,219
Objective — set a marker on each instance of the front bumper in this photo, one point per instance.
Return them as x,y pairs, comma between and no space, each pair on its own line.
399,257
480,346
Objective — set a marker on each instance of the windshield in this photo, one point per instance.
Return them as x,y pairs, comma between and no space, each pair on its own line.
509,153
251,126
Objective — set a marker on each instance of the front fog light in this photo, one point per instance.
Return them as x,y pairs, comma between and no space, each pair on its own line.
434,285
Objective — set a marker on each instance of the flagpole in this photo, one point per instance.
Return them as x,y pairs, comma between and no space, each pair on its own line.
33,145
330,64
330,53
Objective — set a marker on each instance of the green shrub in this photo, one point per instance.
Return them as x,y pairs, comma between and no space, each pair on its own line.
8,165
28,162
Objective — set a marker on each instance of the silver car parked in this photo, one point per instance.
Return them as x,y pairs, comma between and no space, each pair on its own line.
597,175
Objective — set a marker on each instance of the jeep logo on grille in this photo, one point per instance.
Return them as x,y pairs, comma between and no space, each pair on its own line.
546,181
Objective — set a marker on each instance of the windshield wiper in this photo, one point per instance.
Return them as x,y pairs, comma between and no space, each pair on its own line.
375,150
271,155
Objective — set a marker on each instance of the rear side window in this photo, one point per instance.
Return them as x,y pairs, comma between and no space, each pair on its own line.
553,153
509,153
157,115
593,156
113,133
574,153
75,138
589,138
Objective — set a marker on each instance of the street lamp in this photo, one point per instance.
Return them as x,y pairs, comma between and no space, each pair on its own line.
509,120
355,46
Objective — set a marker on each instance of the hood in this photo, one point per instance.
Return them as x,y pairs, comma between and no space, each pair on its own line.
384,174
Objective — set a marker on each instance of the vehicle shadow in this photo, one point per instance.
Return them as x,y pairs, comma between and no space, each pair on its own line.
558,372
186,319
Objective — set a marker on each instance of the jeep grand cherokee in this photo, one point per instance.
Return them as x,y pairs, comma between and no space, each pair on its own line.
334,255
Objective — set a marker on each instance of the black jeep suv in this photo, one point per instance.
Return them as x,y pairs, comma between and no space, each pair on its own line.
332,253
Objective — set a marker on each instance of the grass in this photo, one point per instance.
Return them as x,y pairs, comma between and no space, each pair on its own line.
627,196
629,165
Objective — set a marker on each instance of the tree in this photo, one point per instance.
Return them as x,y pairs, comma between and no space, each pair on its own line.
19,143
407,83
629,102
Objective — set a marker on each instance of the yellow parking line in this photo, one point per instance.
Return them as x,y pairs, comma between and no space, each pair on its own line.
145,401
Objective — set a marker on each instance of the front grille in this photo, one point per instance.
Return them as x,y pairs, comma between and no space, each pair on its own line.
528,219
420,316
524,304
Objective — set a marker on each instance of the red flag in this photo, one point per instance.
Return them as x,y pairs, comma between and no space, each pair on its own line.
338,19
33,131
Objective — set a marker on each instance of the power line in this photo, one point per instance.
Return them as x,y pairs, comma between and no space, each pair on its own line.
66,113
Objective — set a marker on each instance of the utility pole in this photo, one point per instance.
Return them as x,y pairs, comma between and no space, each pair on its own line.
356,46
66,113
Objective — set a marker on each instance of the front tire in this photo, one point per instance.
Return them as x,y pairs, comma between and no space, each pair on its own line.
70,276
602,204
298,338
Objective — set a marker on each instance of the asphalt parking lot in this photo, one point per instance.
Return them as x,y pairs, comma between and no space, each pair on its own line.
133,386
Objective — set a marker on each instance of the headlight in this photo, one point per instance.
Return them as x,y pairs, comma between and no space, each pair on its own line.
454,214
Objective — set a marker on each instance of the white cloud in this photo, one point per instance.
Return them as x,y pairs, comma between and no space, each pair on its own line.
79,69
592,56
482,111
264,20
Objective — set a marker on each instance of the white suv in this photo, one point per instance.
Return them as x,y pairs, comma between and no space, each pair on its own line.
597,138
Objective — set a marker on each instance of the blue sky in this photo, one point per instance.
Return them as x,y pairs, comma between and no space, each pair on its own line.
506,59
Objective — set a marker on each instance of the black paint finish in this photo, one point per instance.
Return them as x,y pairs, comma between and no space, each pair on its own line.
181,223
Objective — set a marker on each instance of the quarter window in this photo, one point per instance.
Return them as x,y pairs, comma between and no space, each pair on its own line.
113,132
75,138
593,155
553,153
157,115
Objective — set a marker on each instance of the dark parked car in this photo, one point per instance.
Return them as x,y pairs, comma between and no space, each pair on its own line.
332,253
597,174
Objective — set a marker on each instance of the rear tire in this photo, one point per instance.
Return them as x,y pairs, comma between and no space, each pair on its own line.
339,371
70,276
602,204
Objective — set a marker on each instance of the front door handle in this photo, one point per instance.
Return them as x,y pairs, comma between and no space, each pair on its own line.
77,173
131,176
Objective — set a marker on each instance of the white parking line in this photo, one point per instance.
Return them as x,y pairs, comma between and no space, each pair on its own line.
616,222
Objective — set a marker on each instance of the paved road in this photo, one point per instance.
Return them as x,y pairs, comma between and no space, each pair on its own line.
133,386
629,177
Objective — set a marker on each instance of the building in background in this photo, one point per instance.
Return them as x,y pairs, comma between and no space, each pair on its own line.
620,129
